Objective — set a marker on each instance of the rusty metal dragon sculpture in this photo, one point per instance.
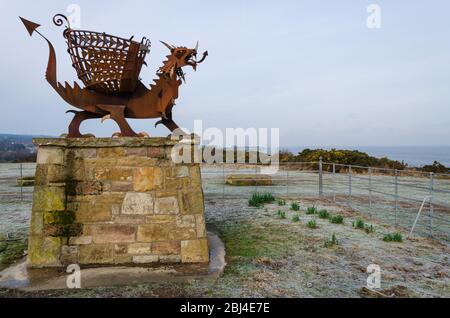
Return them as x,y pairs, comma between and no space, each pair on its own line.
109,67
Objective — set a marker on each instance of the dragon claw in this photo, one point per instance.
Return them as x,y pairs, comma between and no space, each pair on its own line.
88,136
143,134
116,135
158,122
106,117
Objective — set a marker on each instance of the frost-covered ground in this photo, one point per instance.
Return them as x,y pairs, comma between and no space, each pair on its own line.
269,256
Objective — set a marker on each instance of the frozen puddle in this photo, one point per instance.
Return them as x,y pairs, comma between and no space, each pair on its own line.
20,277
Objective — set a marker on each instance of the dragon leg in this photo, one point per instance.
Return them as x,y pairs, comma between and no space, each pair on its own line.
74,126
117,113
168,122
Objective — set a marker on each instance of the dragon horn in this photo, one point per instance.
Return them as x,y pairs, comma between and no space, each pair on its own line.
170,47
196,46
31,26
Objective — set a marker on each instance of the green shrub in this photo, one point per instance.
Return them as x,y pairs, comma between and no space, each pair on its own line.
337,219
312,224
311,210
295,218
393,237
281,202
281,214
324,214
359,224
258,199
295,206
331,242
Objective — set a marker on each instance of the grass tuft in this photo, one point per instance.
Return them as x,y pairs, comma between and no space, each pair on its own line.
324,214
337,219
311,210
393,237
281,202
312,224
281,214
258,199
331,242
360,224
296,218
295,206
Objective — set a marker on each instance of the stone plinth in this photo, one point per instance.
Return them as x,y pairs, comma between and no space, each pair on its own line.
115,201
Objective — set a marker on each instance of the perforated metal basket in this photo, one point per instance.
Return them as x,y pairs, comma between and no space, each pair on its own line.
106,63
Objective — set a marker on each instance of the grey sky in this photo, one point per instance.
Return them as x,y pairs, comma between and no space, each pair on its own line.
311,68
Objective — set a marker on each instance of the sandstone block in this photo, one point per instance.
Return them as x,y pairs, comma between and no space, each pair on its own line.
166,205
169,259
166,248
50,155
139,248
49,198
113,233
69,254
110,152
200,225
113,174
138,203
147,179
96,254
80,240
195,251
160,232
156,152
142,259
44,252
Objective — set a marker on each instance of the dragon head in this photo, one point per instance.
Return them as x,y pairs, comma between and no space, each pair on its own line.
179,57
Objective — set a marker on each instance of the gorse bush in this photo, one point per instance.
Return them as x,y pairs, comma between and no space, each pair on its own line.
337,219
324,214
295,218
311,210
393,237
258,199
281,214
331,242
295,206
312,224
281,202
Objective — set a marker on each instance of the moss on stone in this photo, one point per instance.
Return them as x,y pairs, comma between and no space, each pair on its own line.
59,217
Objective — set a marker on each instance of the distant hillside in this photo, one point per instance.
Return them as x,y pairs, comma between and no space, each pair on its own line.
17,148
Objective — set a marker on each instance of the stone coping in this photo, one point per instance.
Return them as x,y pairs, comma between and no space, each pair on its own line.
112,142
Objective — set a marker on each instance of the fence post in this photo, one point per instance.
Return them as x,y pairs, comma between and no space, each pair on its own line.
223,182
320,177
334,182
370,188
21,183
396,196
287,182
350,185
430,216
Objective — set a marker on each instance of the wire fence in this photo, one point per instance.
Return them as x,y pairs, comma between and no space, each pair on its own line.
392,196
389,195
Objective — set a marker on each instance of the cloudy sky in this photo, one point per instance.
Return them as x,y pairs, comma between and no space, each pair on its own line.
311,68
